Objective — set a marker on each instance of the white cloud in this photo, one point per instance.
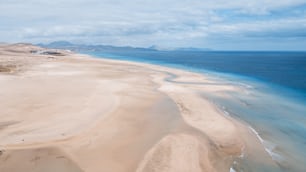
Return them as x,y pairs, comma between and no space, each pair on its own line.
140,22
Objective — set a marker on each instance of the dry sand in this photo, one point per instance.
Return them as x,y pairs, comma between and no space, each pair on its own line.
67,112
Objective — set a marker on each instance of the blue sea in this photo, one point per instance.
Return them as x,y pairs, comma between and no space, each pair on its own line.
273,103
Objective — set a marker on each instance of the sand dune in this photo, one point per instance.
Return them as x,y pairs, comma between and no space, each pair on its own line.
75,113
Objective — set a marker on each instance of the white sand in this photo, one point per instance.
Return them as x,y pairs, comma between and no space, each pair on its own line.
76,113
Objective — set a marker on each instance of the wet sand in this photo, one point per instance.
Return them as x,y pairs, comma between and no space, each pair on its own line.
70,112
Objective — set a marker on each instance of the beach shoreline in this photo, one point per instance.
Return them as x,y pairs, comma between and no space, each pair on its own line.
73,112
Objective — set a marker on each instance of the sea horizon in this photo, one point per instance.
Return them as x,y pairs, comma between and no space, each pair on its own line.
153,86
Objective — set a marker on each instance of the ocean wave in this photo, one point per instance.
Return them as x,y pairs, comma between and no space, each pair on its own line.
268,146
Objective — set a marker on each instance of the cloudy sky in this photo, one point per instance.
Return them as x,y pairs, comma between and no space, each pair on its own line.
216,24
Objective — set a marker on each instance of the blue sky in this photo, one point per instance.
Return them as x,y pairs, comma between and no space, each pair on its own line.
215,24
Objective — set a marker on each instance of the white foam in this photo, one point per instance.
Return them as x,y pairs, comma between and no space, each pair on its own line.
232,170
226,113
242,155
257,134
223,110
268,146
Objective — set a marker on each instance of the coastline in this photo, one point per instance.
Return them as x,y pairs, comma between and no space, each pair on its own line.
100,114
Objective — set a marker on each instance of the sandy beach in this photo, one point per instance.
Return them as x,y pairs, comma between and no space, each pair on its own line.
67,112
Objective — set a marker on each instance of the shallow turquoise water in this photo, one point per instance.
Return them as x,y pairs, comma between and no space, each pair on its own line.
273,102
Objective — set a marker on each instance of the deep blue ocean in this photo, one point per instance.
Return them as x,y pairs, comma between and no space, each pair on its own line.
273,105
282,68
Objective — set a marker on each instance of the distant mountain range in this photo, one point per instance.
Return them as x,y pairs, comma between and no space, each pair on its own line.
84,47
